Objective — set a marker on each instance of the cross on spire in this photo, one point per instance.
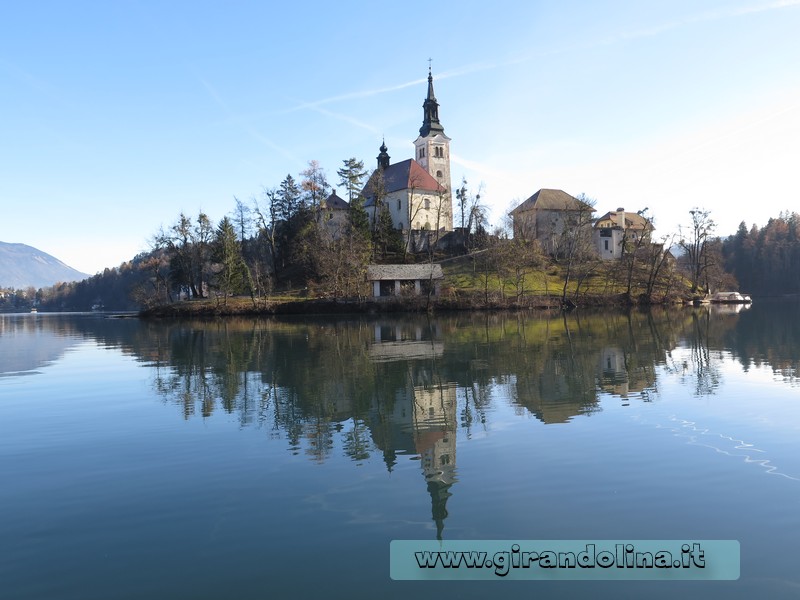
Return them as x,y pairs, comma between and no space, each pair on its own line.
430,121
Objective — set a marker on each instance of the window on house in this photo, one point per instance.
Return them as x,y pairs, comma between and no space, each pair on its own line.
606,241
398,205
427,203
439,174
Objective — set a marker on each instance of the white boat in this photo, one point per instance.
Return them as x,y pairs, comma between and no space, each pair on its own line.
730,298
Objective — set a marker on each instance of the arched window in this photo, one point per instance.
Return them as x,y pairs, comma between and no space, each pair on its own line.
439,174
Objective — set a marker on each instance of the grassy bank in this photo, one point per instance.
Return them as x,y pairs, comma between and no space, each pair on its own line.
467,286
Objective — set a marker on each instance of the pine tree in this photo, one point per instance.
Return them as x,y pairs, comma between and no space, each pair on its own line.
386,238
232,275
351,177
287,199
357,217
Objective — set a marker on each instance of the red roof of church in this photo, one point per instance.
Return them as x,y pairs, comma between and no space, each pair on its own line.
404,175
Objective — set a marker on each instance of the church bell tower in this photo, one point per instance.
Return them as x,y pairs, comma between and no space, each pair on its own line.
432,147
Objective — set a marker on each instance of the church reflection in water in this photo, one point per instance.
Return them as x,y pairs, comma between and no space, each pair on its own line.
421,419
402,387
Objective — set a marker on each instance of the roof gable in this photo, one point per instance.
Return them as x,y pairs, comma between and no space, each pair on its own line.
546,199
334,202
404,272
632,220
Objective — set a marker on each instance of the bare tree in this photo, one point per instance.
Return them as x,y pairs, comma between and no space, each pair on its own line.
634,241
694,243
315,185
266,225
241,219
473,214
657,263
573,241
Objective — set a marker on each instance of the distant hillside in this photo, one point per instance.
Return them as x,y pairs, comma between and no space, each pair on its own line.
22,266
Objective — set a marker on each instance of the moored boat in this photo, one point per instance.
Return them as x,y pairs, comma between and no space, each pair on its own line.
730,298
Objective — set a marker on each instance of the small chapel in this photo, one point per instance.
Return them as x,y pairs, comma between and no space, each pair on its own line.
417,191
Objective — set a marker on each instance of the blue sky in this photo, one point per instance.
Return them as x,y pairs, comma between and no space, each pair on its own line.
116,116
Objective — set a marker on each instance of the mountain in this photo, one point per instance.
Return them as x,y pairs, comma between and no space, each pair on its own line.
22,266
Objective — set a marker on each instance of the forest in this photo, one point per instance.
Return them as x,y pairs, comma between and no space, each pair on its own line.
766,260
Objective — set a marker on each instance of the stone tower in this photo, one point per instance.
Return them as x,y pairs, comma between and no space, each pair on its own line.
432,149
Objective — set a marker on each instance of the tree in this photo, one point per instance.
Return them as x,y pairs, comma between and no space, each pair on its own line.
351,177
766,260
203,235
242,219
266,226
287,199
177,241
314,185
657,263
715,276
386,239
232,276
633,245
694,243
574,249
473,214
357,218
463,199
337,263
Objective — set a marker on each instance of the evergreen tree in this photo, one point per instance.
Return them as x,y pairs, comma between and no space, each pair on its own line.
357,217
287,199
351,177
386,238
232,275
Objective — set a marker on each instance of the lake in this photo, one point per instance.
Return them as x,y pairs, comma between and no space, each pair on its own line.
248,458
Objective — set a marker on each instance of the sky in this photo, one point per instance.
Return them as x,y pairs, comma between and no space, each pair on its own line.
115,117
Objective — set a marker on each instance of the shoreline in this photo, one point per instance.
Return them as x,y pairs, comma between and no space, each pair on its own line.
245,307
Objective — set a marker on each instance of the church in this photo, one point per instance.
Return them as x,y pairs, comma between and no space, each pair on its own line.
416,192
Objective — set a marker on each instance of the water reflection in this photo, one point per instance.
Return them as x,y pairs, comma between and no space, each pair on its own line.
28,343
405,388
292,372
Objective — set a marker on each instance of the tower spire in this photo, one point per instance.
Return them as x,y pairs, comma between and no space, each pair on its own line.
430,108
383,157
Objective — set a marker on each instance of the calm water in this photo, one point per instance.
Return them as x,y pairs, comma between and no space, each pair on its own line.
278,458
